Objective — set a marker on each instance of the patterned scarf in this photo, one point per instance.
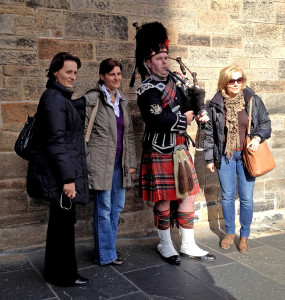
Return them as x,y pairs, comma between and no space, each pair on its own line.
168,93
232,107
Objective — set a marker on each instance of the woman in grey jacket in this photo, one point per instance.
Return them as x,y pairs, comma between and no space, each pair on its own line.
224,138
111,158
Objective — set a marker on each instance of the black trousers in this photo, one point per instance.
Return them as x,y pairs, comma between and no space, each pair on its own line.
60,260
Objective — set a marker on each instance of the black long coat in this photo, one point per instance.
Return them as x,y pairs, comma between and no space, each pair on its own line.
58,150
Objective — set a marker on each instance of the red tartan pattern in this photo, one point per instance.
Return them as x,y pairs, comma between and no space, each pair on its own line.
157,177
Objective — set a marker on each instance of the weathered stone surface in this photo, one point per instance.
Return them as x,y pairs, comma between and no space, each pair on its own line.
281,69
129,8
258,11
268,31
16,10
49,19
214,57
18,183
20,219
98,26
230,6
6,24
278,139
12,166
253,48
12,202
212,22
59,4
49,47
7,140
193,4
173,13
265,74
278,52
25,25
23,58
21,43
263,205
194,40
227,42
122,50
268,87
280,200
11,94
20,71
92,5
280,18
275,103
264,63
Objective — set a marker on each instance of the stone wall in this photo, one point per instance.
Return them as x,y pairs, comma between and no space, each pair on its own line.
207,34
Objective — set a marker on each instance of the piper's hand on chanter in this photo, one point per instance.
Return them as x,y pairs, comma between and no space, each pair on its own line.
254,143
69,190
190,116
203,117
211,167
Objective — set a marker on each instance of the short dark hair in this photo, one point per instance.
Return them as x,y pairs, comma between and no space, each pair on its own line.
107,65
58,62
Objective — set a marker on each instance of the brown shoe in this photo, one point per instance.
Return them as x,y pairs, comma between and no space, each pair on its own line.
243,245
227,241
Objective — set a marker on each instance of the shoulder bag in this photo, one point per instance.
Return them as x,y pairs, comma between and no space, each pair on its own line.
257,162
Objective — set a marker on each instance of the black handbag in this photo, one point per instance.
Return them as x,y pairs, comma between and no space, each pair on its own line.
24,140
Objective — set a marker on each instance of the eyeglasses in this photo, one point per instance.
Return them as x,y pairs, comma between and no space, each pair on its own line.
232,81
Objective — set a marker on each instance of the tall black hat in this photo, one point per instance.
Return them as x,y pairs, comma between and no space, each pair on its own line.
151,39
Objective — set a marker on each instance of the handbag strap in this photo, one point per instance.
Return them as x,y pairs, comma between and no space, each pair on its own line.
91,121
249,116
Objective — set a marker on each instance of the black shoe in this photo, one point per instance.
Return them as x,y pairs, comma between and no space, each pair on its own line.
174,259
81,281
205,258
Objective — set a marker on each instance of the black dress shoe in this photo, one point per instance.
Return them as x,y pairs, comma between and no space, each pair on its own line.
205,258
81,281
174,259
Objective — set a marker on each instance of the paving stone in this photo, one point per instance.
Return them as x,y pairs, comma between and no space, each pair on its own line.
276,241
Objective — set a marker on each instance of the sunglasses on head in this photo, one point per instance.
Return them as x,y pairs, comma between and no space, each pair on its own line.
232,81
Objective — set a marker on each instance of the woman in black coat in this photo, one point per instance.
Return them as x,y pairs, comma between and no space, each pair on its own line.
57,169
224,137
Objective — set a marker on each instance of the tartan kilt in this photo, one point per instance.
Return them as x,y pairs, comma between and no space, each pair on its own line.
157,177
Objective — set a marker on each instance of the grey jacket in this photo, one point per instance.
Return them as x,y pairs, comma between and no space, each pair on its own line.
101,148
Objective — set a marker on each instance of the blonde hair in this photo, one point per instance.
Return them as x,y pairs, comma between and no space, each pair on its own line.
226,74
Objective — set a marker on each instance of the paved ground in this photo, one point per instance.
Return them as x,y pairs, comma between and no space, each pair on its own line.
259,274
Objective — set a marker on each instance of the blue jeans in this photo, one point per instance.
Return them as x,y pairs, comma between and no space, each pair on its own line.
229,172
107,208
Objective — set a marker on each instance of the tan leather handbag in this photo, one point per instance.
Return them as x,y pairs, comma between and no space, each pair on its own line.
257,162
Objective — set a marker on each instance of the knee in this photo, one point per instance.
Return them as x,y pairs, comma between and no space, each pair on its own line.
162,205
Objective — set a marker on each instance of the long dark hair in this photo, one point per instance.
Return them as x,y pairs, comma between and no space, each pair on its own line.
107,65
58,62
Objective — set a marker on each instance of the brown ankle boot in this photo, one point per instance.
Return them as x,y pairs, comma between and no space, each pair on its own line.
227,241
243,245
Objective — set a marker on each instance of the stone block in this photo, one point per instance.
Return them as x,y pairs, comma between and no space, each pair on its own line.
58,4
17,112
121,50
22,236
268,31
214,57
194,40
280,18
243,62
18,43
20,71
275,185
15,10
12,202
128,8
263,74
278,139
96,26
193,4
6,23
226,42
11,94
280,200
91,5
264,63
259,11
274,87
22,219
278,52
12,82
281,69
33,88
253,47
22,58
211,192
175,51
212,22
49,47
154,2
26,26
229,6
138,124
49,19
165,13
275,104
259,206
12,166
7,140
18,183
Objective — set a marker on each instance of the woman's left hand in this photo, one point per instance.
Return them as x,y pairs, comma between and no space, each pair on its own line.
253,144
203,117
132,170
